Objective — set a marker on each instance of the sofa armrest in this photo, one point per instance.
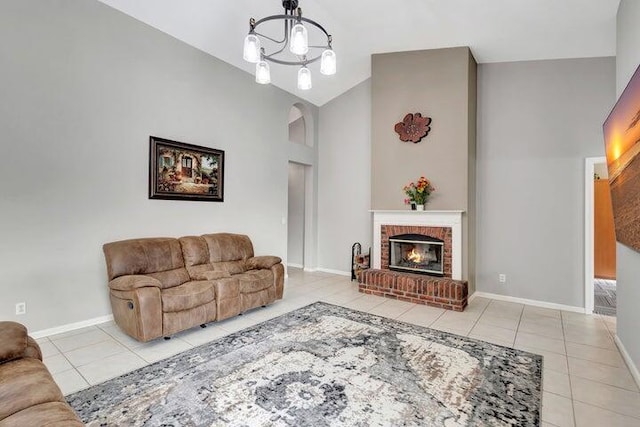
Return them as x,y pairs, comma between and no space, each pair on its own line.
262,262
210,275
138,312
129,283
15,343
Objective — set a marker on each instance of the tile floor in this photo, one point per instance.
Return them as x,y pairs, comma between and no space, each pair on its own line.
585,380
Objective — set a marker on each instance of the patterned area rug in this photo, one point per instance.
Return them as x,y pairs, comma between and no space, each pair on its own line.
604,301
324,365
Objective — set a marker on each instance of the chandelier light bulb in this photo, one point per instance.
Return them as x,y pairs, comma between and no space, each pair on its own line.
251,52
263,74
304,79
299,42
328,62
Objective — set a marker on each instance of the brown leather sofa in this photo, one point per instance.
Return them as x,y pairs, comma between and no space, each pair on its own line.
155,293
28,394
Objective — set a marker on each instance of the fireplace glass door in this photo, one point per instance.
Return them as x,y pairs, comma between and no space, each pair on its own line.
416,253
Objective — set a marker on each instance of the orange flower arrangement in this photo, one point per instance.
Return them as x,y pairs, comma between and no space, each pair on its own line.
419,192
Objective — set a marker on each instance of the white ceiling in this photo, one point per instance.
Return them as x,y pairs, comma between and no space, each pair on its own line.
496,31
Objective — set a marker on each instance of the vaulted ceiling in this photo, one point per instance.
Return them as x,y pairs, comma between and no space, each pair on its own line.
496,31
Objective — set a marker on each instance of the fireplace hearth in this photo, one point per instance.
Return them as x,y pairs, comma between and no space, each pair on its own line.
416,253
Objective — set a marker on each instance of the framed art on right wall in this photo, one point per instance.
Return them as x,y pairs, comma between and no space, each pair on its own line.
622,147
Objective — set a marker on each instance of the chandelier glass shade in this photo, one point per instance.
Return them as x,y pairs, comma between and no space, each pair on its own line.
292,48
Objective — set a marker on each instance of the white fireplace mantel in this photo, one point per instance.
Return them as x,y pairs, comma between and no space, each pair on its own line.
451,219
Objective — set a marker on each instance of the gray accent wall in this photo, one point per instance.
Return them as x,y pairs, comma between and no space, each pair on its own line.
537,121
344,158
628,268
441,84
83,86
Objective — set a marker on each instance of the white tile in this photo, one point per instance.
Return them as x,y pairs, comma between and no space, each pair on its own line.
341,297
556,382
48,349
57,363
93,352
595,354
592,416
532,312
391,308
116,333
619,377
605,396
159,349
478,303
111,367
557,410
456,316
70,381
198,337
506,322
594,338
538,341
493,334
456,326
504,309
421,315
540,328
92,336
364,303
73,332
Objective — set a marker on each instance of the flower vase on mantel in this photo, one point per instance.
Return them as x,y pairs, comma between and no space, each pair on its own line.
418,193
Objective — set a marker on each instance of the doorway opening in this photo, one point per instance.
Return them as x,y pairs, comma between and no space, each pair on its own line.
296,216
600,240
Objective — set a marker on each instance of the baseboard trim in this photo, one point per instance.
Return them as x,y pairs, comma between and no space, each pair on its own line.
338,272
532,302
310,270
295,265
627,359
71,326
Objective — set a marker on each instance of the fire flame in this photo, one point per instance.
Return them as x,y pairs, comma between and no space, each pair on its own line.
414,256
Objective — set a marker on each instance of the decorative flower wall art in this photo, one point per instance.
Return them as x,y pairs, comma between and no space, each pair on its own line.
413,127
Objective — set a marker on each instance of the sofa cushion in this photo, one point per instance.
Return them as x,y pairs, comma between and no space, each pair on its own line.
171,278
255,280
142,256
194,250
187,296
231,267
228,247
227,289
25,383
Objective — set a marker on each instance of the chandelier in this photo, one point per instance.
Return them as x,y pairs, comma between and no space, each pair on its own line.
292,49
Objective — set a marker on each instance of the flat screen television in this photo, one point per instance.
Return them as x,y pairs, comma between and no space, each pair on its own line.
622,146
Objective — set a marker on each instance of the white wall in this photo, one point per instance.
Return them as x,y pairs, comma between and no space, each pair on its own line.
537,121
628,260
345,177
83,86
295,222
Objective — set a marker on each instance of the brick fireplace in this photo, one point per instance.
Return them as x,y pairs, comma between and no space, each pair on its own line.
448,291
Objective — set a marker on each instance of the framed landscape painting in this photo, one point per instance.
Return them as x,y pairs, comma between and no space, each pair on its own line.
622,146
179,171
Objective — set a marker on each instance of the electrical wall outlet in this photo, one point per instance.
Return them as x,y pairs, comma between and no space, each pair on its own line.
502,278
21,308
